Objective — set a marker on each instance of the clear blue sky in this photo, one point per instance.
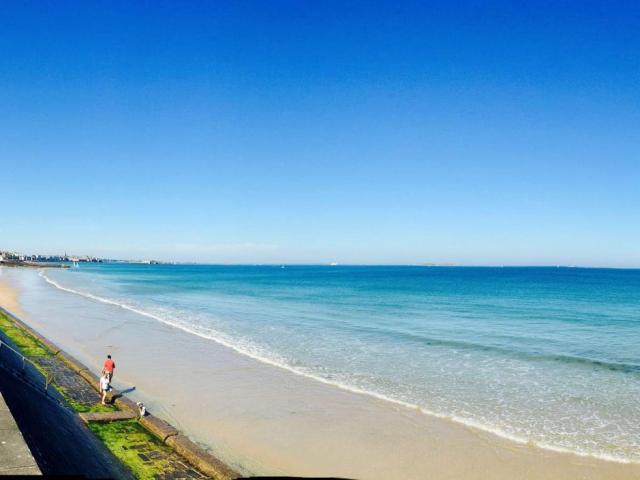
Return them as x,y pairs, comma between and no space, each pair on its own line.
373,132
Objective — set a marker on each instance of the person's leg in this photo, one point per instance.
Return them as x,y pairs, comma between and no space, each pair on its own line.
104,395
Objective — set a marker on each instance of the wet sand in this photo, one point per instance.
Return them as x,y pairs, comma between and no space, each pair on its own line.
270,421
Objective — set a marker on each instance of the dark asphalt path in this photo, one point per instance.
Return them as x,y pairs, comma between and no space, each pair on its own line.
59,441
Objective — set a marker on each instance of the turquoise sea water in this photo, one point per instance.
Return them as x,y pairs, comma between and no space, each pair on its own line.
543,355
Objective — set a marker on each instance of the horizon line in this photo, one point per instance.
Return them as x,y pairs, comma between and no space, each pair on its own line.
337,264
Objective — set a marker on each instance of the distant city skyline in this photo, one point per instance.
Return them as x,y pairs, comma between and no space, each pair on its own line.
360,133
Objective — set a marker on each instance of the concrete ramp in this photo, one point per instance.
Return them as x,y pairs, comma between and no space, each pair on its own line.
15,456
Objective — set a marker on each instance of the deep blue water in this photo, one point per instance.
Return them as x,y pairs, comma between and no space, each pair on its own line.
550,355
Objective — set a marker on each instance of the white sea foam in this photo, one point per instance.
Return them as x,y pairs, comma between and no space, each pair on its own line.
259,354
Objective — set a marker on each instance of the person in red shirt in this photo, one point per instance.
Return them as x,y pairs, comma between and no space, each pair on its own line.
109,365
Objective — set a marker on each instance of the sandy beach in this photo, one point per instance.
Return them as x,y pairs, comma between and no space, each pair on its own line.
267,420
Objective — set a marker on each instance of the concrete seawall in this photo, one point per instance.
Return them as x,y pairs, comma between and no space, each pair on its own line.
166,433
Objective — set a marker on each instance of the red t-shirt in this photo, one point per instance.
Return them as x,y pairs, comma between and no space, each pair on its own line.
109,365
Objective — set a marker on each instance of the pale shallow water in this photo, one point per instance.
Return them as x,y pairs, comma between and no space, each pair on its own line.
544,355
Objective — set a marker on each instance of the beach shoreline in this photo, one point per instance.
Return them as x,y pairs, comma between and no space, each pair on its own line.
274,422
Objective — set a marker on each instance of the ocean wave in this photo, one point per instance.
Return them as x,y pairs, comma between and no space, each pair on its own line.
533,356
258,354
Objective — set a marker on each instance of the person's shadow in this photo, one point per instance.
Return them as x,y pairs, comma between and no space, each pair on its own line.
128,390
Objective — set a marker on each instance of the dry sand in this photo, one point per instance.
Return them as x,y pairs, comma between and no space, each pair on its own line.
271,421
9,297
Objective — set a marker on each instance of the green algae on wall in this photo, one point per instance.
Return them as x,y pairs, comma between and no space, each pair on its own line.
27,344
135,447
